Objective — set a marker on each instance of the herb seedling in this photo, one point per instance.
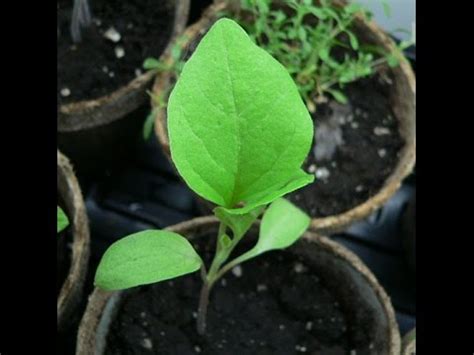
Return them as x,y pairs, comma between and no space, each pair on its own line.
316,43
62,220
239,133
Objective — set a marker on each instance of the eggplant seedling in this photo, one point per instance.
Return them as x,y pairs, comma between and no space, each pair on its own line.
62,220
239,133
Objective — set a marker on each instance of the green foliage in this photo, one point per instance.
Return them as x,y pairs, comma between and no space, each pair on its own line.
315,42
239,133
233,102
146,257
62,220
282,225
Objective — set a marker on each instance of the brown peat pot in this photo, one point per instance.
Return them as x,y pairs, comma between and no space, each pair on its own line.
328,292
409,343
93,132
70,196
386,177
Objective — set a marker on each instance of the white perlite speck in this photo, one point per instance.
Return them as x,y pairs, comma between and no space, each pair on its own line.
147,343
112,35
322,173
119,52
359,188
111,74
138,72
382,152
300,348
65,92
354,125
261,288
380,131
197,349
311,169
299,268
237,271
309,326
105,69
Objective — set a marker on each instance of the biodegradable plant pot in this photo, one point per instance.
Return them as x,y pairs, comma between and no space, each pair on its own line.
368,185
70,194
97,125
409,343
323,280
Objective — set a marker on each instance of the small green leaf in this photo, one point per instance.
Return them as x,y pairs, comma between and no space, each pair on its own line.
62,221
386,8
238,223
282,225
238,128
151,63
225,241
146,257
338,95
148,125
353,40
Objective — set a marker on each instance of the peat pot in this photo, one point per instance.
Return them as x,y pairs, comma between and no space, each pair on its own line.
315,297
72,262
101,118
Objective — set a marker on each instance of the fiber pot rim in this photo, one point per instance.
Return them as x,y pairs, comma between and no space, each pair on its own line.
103,302
403,104
71,289
86,114
409,343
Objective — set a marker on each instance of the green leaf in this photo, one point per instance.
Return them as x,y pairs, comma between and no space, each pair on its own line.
353,40
338,95
238,128
62,221
151,63
238,223
282,225
148,125
386,8
146,257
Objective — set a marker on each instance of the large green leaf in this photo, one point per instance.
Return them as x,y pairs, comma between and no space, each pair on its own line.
146,257
282,225
62,221
238,128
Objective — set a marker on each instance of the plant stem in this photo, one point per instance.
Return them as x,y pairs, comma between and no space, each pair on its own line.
202,310
208,280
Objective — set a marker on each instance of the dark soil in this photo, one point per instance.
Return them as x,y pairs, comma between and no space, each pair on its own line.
367,143
277,306
91,68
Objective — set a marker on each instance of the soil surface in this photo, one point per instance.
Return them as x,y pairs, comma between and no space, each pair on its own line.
355,149
97,66
273,305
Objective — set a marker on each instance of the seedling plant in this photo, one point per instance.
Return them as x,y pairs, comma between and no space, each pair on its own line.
315,41
239,133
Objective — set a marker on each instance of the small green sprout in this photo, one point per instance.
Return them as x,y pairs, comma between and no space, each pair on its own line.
239,133
316,43
62,220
